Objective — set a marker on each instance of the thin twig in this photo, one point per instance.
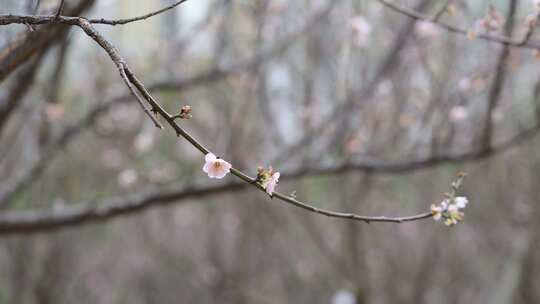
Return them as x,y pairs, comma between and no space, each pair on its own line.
79,214
129,77
43,19
441,11
453,29
530,28
119,62
143,17
34,170
17,52
495,91
60,9
138,98
115,57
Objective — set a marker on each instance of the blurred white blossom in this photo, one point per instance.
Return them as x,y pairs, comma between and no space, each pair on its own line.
385,87
127,178
458,114
144,141
464,84
449,210
491,22
436,211
343,296
426,29
361,30
461,201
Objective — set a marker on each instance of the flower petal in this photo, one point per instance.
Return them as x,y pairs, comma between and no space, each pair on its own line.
221,170
209,157
461,202
444,204
227,166
270,187
212,172
452,208
220,174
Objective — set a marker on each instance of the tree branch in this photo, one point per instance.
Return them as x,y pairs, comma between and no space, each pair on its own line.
143,17
46,19
129,78
33,171
83,213
495,91
28,44
60,9
453,29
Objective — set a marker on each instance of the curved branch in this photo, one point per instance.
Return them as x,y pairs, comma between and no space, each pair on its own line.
159,110
79,214
129,77
143,17
523,43
83,213
33,171
66,216
28,44
495,92
58,18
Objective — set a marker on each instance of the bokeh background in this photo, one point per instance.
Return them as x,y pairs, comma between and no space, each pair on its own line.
365,109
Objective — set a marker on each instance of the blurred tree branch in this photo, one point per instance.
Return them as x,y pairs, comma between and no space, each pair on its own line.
34,170
140,92
522,43
498,82
32,221
78,214
26,45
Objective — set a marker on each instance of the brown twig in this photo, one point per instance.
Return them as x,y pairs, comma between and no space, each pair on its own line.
495,91
441,11
79,214
531,26
453,29
46,19
60,9
130,78
28,44
34,170
143,17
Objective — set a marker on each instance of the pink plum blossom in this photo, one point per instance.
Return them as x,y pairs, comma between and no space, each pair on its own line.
272,183
215,167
